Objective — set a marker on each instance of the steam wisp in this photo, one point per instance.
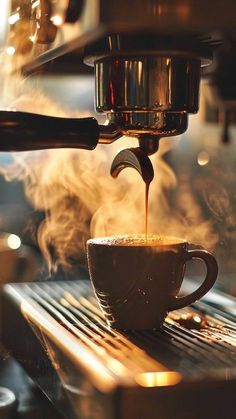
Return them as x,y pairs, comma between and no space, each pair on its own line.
82,200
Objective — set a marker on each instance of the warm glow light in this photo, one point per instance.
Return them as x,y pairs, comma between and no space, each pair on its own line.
158,379
64,302
183,10
32,38
11,50
116,367
197,319
140,72
69,344
203,158
14,18
4,14
56,20
13,241
35,4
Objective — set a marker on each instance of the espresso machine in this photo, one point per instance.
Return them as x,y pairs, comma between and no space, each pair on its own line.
148,58
147,67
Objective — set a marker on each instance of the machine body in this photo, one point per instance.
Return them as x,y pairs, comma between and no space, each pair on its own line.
147,63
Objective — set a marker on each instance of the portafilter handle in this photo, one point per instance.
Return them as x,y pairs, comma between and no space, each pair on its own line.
23,131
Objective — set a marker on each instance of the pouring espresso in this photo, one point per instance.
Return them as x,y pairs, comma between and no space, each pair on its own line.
139,283
138,160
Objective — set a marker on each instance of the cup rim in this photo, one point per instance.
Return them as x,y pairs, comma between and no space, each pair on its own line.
109,240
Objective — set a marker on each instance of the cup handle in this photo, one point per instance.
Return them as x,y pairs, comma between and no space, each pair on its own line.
211,275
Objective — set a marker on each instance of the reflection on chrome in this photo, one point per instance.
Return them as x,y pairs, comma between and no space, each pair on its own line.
158,379
203,158
35,4
14,18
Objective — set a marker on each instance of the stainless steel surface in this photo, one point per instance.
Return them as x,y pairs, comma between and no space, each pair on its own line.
139,94
203,336
147,84
186,370
146,126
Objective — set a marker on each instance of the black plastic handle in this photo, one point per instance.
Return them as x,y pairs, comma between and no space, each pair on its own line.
22,131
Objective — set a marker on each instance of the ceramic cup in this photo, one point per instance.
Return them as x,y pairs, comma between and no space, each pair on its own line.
137,281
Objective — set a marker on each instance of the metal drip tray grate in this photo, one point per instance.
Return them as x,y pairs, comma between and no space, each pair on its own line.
194,341
57,331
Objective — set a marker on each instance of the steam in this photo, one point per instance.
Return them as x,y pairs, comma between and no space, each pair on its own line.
81,199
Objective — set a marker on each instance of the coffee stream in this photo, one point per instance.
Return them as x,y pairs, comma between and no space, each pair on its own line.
147,186
138,160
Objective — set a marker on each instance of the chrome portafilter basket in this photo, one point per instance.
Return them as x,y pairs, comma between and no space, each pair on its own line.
146,96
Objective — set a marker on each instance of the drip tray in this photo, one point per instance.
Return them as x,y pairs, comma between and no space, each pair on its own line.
88,370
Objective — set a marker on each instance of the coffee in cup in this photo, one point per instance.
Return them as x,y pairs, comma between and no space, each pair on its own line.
137,280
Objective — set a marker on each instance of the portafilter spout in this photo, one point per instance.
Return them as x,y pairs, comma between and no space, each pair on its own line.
135,158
